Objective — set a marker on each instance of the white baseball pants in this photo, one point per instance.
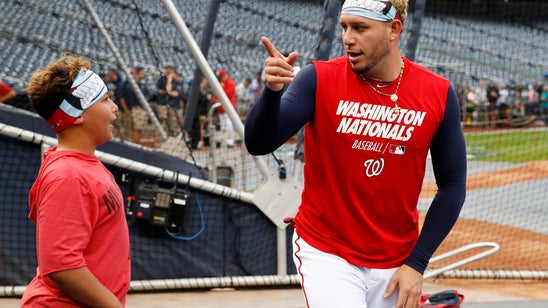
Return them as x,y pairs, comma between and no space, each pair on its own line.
329,281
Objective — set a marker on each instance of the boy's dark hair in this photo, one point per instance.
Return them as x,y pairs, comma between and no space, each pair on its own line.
48,87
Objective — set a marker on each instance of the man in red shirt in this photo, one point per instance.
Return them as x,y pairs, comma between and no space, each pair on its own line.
371,118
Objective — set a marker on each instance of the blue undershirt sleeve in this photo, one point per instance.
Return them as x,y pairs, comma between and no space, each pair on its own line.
448,151
276,116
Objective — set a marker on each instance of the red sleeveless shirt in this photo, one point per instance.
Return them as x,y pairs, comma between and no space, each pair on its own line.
365,164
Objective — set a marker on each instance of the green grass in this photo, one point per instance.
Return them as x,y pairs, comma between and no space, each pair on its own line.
508,146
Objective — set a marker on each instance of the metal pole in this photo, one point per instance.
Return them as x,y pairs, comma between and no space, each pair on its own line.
201,61
124,67
194,93
211,129
414,31
281,251
494,248
331,10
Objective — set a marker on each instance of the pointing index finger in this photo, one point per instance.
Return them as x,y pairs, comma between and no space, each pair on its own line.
269,47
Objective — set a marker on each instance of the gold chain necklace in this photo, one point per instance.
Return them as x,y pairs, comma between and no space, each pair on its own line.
393,97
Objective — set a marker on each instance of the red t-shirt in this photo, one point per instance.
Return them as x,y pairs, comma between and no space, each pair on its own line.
80,221
362,218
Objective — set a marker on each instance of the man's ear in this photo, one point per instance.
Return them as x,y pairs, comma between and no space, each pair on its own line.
396,27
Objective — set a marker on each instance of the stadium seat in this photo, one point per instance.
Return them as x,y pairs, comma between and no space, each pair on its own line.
466,48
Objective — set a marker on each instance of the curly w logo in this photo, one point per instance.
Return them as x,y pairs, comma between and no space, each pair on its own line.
373,167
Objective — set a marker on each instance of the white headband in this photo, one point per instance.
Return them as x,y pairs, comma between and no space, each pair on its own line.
372,9
86,90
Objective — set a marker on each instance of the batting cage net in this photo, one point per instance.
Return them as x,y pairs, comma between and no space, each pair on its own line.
204,213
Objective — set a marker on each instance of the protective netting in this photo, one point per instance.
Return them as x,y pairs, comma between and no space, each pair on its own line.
478,45
220,233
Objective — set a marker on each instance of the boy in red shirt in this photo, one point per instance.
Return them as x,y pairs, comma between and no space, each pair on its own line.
82,240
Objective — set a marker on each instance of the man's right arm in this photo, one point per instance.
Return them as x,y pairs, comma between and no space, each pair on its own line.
274,117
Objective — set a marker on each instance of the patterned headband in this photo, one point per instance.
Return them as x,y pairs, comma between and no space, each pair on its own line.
372,9
86,89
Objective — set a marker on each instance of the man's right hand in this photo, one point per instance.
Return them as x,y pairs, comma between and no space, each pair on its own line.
278,69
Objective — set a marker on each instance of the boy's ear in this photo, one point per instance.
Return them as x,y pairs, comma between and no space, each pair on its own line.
79,120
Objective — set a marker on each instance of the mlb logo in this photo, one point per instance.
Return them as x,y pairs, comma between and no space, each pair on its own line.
397,149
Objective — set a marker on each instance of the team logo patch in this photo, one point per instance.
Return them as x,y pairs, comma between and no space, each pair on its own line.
397,149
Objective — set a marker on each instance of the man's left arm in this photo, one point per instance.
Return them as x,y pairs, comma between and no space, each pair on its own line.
448,153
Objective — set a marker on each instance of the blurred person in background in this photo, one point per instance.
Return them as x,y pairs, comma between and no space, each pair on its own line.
229,87
114,85
6,92
544,103
169,91
199,123
243,99
130,104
